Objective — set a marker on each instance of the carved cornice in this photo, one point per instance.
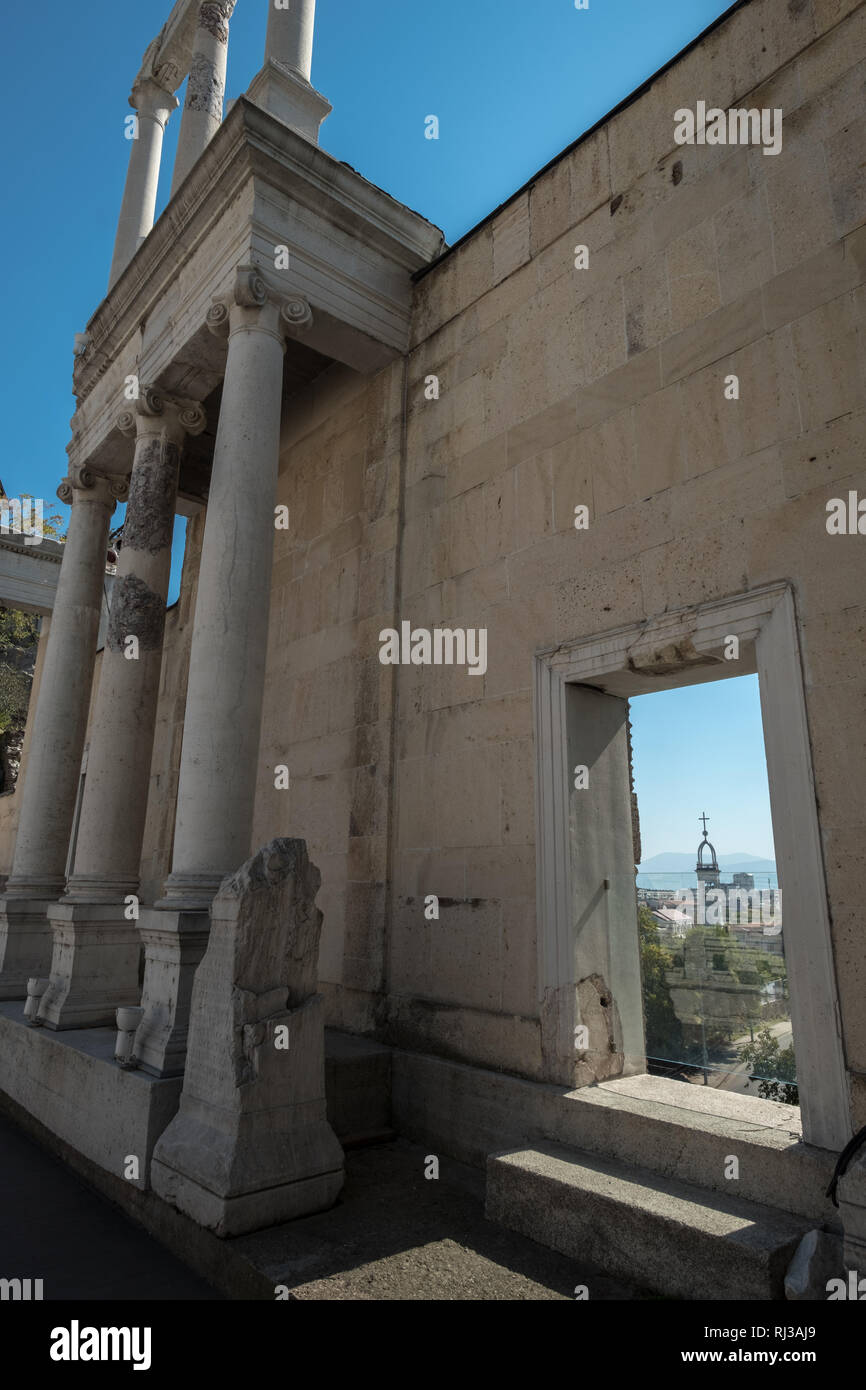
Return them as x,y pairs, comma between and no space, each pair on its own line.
249,145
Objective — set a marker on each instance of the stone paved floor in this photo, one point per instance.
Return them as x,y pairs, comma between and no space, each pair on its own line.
398,1235
55,1228
393,1235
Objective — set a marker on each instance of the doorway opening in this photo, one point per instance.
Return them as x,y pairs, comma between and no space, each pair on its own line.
591,993
716,1001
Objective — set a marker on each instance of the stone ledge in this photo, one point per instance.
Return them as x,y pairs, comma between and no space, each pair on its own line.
682,1134
68,1082
674,1237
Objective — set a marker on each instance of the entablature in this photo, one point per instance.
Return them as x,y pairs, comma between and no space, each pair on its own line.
351,251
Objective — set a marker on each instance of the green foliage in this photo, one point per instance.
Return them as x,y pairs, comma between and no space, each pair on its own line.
772,1066
664,1033
17,629
19,633
14,698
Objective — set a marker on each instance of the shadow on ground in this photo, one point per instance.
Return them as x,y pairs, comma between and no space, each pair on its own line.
398,1235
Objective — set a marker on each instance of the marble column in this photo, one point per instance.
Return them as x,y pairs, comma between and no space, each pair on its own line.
154,105
282,86
48,793
205,88
96,943
289,37
219,758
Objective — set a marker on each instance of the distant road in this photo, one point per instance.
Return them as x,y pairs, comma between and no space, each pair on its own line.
737,1077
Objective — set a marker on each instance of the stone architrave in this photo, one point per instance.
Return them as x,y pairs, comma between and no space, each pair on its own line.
251,1145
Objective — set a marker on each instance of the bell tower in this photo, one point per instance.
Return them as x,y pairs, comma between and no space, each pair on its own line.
708,873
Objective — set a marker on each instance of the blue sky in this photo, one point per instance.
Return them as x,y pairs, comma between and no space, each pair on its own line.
512,82
699,749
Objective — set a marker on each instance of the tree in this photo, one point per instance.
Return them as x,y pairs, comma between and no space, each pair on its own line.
52,522
19,635
773,1067
664,1032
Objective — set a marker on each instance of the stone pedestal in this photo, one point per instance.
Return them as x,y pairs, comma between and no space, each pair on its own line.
290,98
251,1145
174,943
94,965
25,943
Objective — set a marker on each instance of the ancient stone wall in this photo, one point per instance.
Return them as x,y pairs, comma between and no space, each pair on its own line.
559,387
605,387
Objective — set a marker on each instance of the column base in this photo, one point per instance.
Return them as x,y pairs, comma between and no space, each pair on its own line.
94,966
287,96
26,943
235,1216
190,892
174,943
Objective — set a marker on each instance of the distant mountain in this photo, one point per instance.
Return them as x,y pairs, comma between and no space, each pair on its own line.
672,862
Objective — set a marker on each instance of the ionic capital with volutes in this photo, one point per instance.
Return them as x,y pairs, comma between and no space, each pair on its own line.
83,484
155,413
252,305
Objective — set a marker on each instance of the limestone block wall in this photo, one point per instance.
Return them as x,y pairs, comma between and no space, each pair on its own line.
327,712
168,734
604,386
559,387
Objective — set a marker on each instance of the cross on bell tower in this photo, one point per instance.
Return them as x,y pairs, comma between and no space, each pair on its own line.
708,873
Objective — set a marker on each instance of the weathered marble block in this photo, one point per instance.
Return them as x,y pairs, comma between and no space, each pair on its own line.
250,1145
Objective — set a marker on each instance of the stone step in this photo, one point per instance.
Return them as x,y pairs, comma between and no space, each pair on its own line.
691,1133
672,1237
358,1089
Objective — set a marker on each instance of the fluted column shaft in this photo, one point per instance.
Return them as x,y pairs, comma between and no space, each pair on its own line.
205,88
154,105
